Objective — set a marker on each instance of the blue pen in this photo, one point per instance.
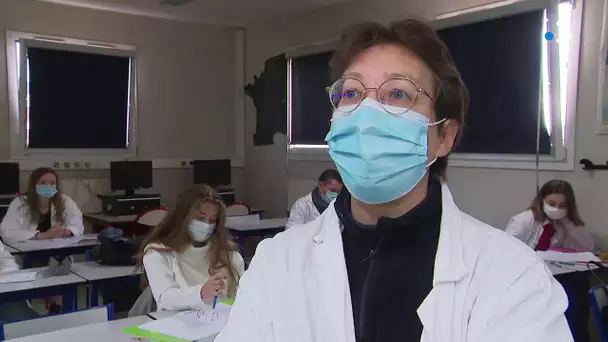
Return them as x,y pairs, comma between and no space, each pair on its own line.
214,301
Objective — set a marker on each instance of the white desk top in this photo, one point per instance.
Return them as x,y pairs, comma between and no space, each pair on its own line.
41,281
98,332
111,218
261,225
43,245
10,249
94,271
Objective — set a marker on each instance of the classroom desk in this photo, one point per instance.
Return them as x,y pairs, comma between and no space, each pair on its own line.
41,249
99,332
97,275
264,227
100,221
167,313
43,286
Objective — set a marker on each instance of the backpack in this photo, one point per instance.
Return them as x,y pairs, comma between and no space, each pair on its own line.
115,249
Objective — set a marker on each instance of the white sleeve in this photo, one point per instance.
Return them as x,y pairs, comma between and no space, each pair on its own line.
297,214
249,319
15,226
166,291
73,220
531,310
521,225
7,261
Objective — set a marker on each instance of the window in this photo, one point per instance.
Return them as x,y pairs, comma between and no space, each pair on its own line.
70,97
523,87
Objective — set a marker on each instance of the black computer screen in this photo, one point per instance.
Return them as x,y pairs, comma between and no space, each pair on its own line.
9,176
129,175
212,172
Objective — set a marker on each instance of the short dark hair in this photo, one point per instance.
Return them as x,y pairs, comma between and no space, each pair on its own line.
556,186
451,95
330,174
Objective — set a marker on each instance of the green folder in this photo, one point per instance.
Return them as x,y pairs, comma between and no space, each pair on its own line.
152,336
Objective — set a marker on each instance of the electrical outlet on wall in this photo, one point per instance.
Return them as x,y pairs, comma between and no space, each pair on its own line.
66,165
56,165
87,165
77,165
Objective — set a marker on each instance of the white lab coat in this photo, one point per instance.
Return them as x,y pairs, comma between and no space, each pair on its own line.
17,225
7,261
168,284
302,211
524,227
487,286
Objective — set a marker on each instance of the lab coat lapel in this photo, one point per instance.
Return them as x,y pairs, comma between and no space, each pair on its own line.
332,280
439,312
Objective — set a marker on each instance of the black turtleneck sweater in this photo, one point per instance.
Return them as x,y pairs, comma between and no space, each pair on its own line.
390,267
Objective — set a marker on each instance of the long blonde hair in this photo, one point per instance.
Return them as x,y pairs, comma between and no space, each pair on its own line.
173,233
31,200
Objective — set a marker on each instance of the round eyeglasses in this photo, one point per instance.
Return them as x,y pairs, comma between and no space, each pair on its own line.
397,95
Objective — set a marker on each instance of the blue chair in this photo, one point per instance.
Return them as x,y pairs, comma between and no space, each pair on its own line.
11,330
599,300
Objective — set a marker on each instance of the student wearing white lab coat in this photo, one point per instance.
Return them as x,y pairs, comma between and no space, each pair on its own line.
190,257
393,258
12,311
553,221
309,207
43,212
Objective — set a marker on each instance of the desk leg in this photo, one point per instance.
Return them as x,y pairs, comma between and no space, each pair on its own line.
68,300
94,295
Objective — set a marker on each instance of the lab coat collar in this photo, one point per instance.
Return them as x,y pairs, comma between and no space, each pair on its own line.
328,258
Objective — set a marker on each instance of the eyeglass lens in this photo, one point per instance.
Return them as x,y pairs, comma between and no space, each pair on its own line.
397,95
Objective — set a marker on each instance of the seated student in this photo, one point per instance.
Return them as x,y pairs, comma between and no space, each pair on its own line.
43,212
309,207
552,220
12,311
190,258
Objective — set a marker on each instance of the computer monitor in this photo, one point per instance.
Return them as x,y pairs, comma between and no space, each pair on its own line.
9,174
130,175
212,172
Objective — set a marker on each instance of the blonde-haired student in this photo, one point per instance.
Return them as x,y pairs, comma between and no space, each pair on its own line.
190,257
43,212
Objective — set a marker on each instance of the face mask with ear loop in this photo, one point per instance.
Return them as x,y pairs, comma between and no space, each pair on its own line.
381,157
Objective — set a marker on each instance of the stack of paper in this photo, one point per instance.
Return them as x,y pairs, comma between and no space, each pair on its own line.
562,262
17,277
191,325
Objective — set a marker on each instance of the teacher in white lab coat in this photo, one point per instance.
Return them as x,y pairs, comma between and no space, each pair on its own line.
309,207
42,212
393,258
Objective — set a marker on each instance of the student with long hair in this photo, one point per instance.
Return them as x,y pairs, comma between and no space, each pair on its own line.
552,221
190,258
42,212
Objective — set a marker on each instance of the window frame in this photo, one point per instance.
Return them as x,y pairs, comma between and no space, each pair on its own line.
17,86
562,157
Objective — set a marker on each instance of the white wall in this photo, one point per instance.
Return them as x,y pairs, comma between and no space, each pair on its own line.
488,194
186,87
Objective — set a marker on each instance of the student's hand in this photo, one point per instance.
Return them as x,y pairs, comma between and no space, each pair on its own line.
52,233
213,286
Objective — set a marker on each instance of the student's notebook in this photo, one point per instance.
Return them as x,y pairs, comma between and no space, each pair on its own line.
17,277
190,325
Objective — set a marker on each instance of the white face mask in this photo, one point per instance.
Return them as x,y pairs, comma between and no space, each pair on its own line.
200,231
554,213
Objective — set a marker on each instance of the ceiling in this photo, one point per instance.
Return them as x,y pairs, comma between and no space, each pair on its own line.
216,12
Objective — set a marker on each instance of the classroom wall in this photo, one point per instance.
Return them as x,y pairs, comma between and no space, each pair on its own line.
489,194
186,80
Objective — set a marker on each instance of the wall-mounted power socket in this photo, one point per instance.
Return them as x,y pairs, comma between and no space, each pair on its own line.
66,165
87,165
77,165
56,165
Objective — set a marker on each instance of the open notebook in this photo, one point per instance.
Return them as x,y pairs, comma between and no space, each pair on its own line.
191,325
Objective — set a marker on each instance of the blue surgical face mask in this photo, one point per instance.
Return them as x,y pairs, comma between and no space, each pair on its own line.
200,231
381,157
329,196
46,190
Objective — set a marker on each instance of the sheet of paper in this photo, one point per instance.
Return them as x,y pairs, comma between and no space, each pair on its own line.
17,277
563,257
191,325
55,243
